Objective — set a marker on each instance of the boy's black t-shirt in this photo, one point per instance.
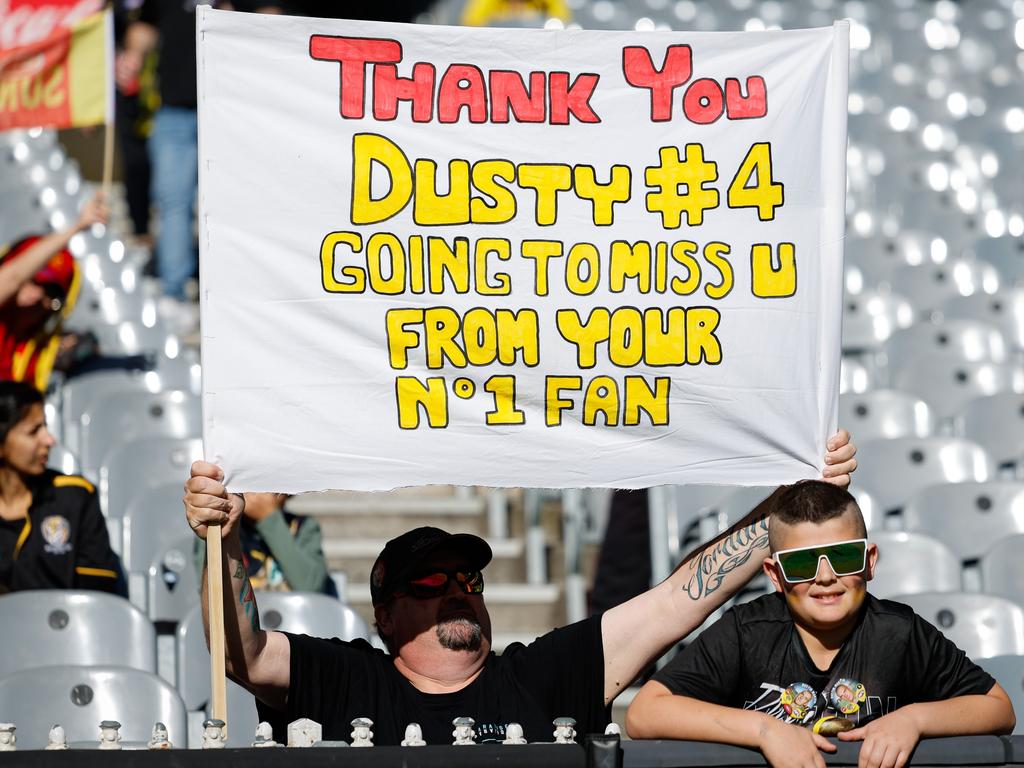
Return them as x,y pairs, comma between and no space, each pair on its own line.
753,658
559,674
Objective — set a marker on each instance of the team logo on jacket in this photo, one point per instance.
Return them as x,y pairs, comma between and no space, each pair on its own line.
56,532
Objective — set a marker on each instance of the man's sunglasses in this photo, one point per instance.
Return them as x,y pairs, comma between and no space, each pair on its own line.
844,557
435,584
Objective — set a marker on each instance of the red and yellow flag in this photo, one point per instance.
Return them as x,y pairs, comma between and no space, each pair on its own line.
63,80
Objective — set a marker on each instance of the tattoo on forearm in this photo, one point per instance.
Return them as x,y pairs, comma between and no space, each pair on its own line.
711,565
247,599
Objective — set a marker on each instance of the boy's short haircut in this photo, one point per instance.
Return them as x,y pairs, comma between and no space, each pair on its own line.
812,501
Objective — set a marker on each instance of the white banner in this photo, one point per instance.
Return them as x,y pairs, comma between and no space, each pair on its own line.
511,257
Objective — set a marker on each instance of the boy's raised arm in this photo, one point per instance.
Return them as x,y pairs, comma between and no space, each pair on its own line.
658,713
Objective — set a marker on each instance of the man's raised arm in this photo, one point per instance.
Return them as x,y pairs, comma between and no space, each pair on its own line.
258,660
640,630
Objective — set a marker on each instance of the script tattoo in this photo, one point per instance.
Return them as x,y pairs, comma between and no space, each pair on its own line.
711,565
247,599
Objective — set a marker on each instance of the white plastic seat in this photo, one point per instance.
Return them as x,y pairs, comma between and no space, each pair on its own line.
297,612
981,625
894,470
929,286
950,384
1002,568
79,394
970,340
168,588
132,468
115,420
1009,673
854,375
63,460
52,626
1003,310
912,562
968,517
871,317
997,423
1005,253
885,413
80,697
151,519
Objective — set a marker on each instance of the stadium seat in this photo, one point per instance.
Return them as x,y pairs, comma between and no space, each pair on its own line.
79,394
970,340
1002,568
153,517
928,286
1005,253
968,517
912,562
995,422
894,470
43,627
63,460
1003,310
882,413
1009,673
854,375
80,697
170,583
118,419
300,613
132,468
871,317
949,384
981,625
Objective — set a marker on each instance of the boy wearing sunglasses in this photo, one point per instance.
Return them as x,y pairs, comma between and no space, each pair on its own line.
820,656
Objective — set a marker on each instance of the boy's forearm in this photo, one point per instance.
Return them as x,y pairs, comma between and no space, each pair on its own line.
683,717
963,716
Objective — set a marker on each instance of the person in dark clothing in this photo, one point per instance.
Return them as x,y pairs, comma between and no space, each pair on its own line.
52,534
820,655
427,590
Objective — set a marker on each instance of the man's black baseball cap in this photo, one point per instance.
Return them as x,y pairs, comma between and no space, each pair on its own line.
402,556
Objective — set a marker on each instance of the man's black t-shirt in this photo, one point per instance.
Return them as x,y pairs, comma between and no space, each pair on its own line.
176,67
753,658
559,674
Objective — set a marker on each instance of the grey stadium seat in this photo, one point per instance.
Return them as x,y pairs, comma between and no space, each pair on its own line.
170,583
871,317
1009,673
981,625
1002,569
1006,254
43,627
134,467
971,340
81,392
79,697
894,470
885,413
153,518
912,562
117,419
1004,310
969,518
997,423
949,384
300,613
63,460
854,375
928,286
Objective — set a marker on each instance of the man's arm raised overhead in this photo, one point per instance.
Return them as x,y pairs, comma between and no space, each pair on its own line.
258,660
640,630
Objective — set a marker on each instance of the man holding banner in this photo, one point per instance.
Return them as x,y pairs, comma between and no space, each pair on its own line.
552,258
427,591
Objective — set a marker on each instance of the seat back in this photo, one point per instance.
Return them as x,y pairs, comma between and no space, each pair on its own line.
981,625
63,460
969,518
882,414
79,394
153,519
1004,310
297,612
968,340
997,423
112,421
894,470
927,286
871,317
950,384
1009,673
171,583
134,468
912,562
1002,569
80,697
52,626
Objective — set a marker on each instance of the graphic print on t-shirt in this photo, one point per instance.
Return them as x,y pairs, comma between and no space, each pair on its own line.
798,703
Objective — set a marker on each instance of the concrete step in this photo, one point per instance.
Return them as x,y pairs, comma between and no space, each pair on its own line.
384,516
355,556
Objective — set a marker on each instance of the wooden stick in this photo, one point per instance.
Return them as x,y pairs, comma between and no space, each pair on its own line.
108,161
215,590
